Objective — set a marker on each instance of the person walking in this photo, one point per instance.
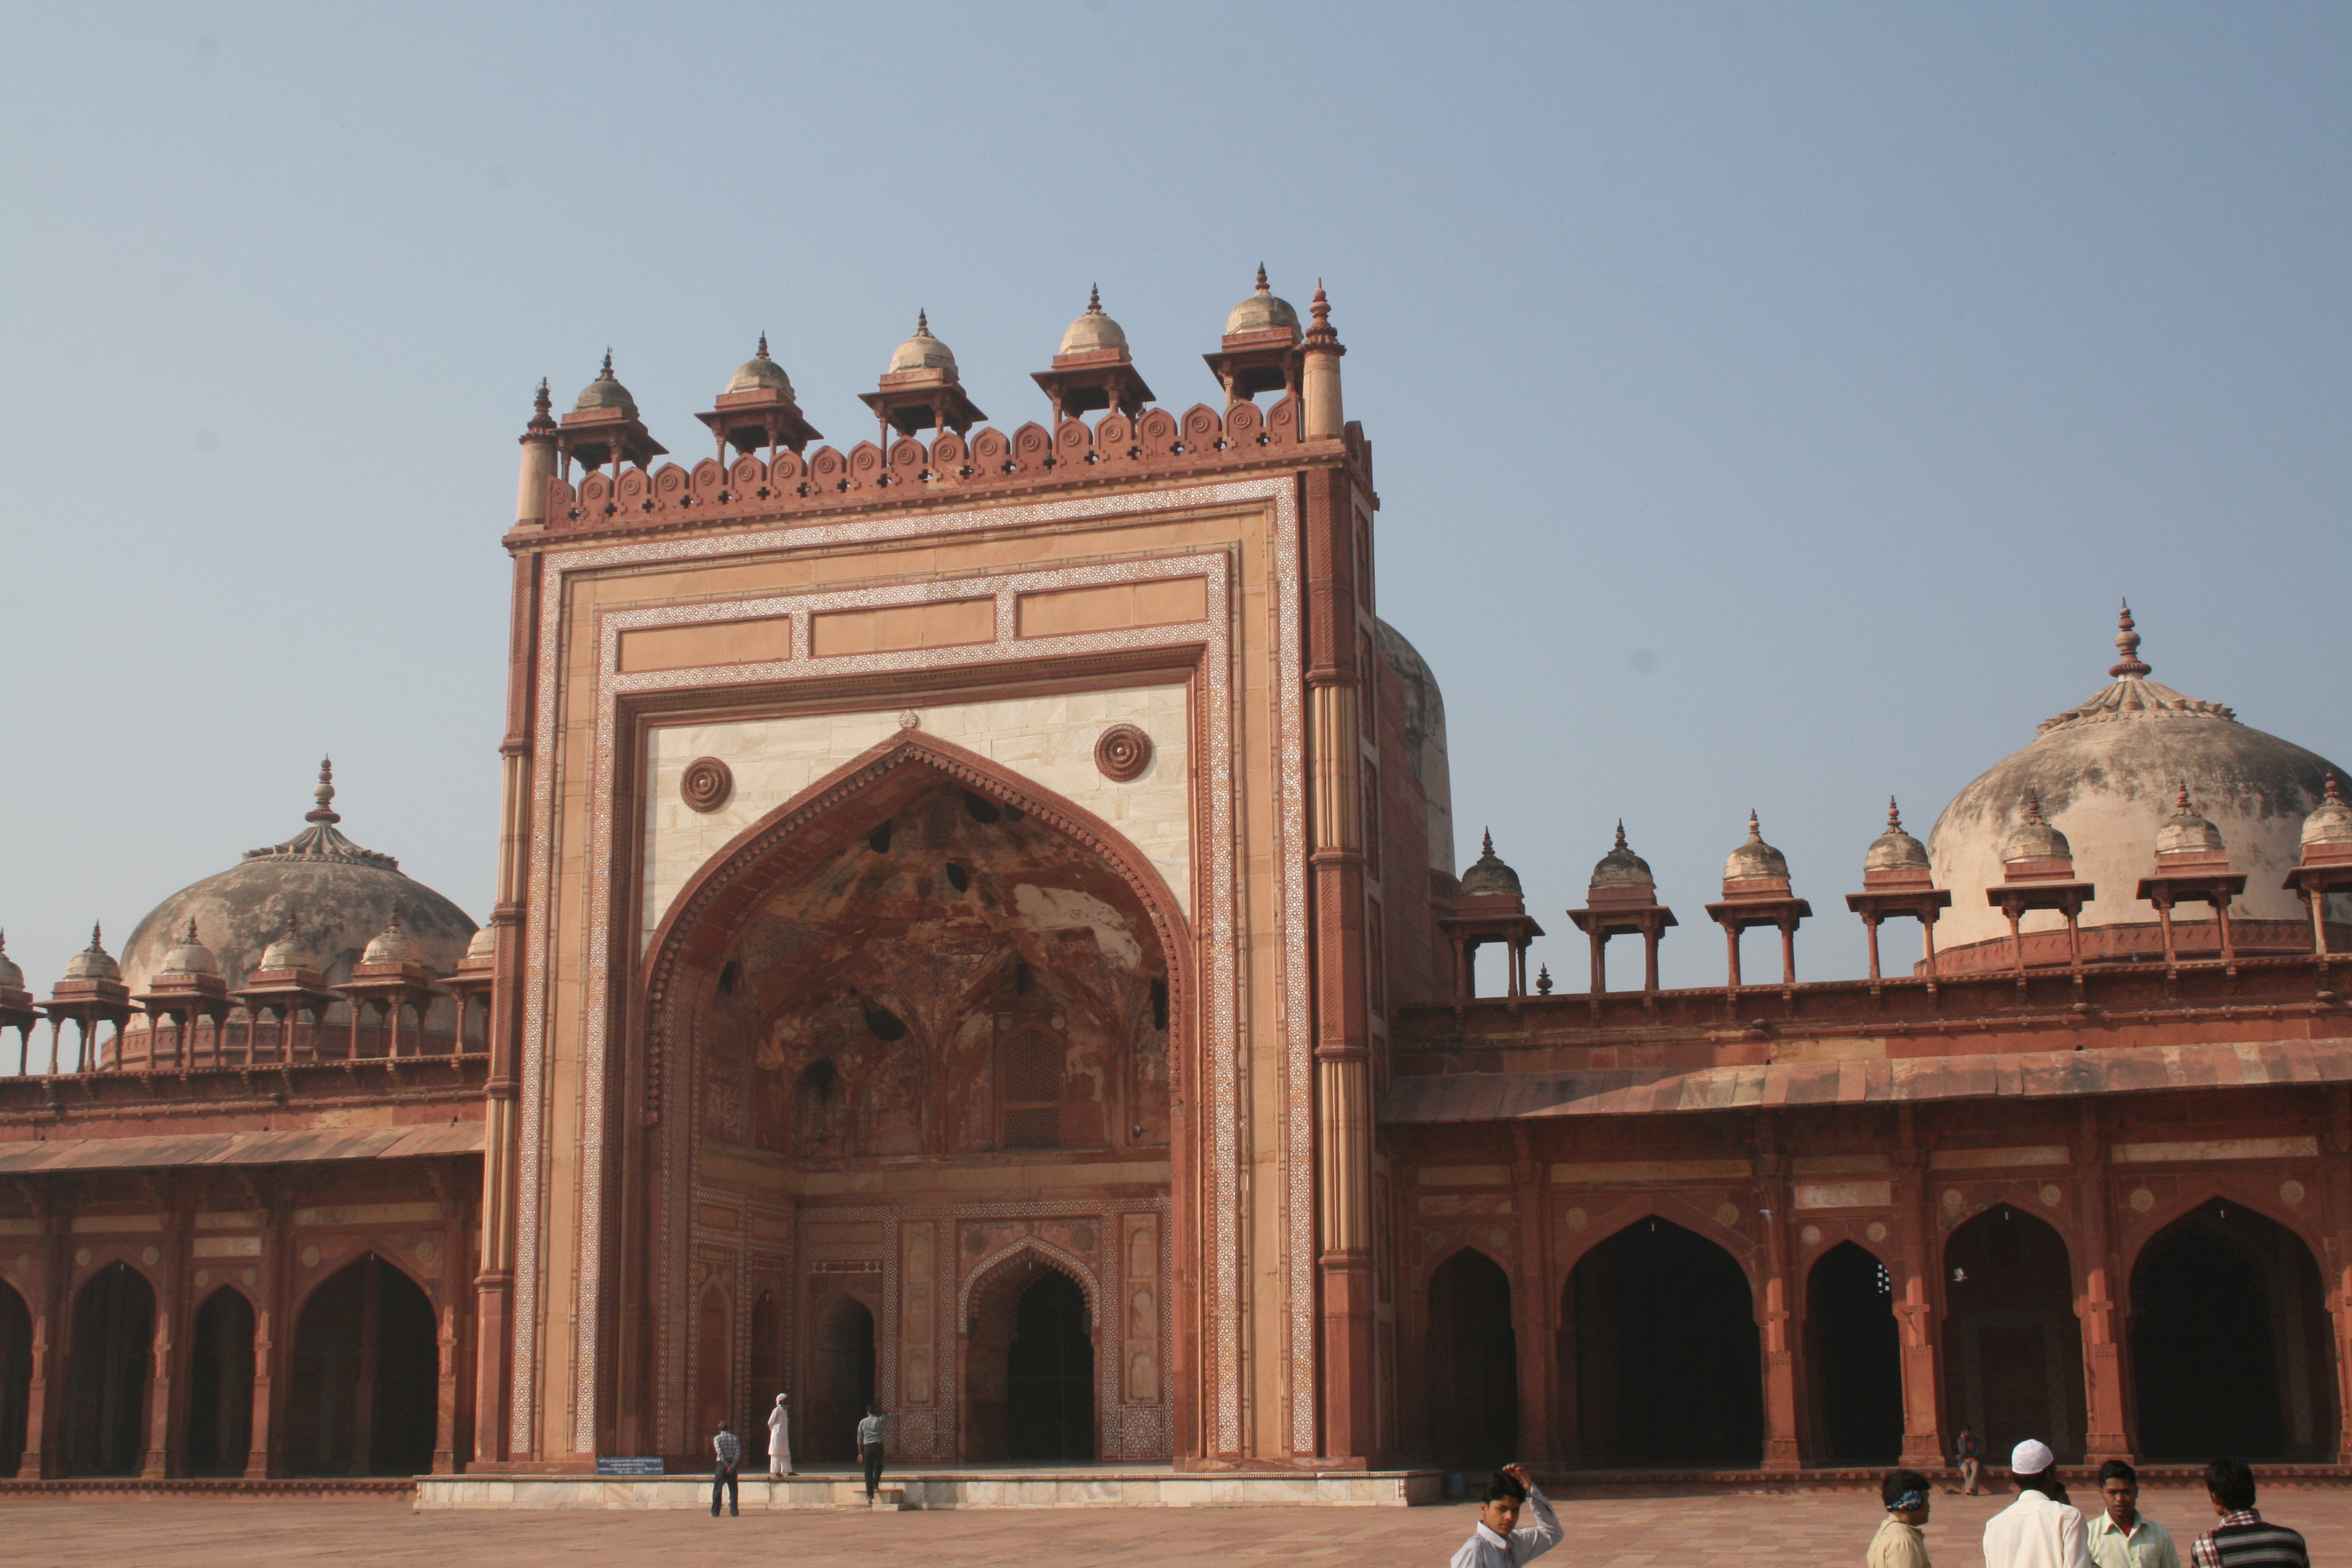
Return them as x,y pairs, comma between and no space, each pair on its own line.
1499,1540
1971,1460
2122,1536
780,1439
869,1450
2037,1531
1900,1543
729,1447
2243,1538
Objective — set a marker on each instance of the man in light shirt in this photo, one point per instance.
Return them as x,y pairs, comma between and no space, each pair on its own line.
869,1450
780,1439
1900,1542
2036,1531
1499,1539
2121,1536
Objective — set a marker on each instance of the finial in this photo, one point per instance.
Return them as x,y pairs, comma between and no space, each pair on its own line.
2181,801
1621,833
190,938
1321,331
1894,817
1543,979
394,922
1486,849
2128,644
96,939
1754,829
542,402
1261,277
2332,794
922,323
1093,299
763,347
2033,806
324,794
606,374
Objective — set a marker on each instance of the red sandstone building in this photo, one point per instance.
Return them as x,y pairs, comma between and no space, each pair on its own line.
978,930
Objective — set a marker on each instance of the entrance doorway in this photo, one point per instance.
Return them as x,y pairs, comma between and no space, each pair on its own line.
1049,1374
842,1384
2013,1346
16,1378
365,1376
1472,1364
106,1375
1855,1359
2230,1348
220,1385
1658,1329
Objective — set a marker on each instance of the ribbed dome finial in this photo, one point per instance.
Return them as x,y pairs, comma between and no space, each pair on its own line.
2128,644
1093,299
1894,816
324,794
1621,834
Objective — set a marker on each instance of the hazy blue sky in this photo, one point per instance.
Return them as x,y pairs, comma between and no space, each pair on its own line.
1771,402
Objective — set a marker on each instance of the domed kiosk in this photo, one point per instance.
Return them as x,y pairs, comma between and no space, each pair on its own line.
2103,782
317,902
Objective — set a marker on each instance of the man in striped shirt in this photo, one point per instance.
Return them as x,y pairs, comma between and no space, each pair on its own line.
2243,1539
729,1450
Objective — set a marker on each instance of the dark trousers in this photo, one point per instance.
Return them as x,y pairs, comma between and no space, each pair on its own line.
723,1477
872,1455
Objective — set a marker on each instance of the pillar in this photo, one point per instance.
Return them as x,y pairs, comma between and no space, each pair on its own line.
1531,1293
539,465
1782,1373
2337,1173
446,1460
1325,417
166,1392
270,1297
2105,1403
1912,1266
45,1414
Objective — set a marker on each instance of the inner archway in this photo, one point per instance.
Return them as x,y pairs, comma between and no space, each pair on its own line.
1029,1367
220,1385
842,1384
364,1377
16,1378
2013,1346
106,1374
2230,1342
1659,1326
1855,1357
1472,1363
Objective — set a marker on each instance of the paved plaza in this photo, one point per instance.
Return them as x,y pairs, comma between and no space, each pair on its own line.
1670,1532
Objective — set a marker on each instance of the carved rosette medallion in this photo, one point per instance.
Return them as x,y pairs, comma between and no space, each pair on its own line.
1122,754
708,784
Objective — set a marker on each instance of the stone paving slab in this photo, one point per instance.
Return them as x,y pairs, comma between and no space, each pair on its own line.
1807,1529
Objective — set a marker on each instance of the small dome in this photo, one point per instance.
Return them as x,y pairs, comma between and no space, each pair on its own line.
2330,821
923,352
761,374
93,963
483,948
606,393
1261,310
392,945
11,977
1488,874
1620,867
1755,858
1094,330
2034,838
189,956
286,951
1894,850
2187,831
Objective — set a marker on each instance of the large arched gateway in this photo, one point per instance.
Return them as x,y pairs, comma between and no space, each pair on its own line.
1659,1326
916,1020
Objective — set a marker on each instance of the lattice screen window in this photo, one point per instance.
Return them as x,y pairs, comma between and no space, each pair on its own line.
1031,1093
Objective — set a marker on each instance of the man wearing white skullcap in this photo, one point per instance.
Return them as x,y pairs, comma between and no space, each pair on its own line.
2036,1531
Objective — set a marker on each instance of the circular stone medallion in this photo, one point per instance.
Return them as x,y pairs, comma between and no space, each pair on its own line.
1876,1231
309,1257
2050,1194
2142,1199
1123,753
1578,1219
204,1277
1810,1235
149,1256
1726,1214
708,783
81,1255
2292,1191
425,1251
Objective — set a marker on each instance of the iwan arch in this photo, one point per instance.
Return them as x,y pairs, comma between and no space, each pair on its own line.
977,930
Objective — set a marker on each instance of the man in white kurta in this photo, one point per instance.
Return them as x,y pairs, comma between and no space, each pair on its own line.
2036,1531
780,1439
1499,1539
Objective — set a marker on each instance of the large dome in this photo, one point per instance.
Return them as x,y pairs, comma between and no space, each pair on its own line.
2109,774
341,897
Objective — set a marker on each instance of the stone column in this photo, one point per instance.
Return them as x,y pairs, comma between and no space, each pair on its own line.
451,1309
1783,1371
1913,1267
2104,1401
44,1406
2336,1177
167,1391
1530,1298
269,1296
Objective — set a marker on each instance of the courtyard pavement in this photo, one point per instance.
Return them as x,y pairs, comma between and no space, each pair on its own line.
1818,1528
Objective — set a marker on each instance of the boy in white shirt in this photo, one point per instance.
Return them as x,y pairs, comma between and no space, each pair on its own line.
1500,1541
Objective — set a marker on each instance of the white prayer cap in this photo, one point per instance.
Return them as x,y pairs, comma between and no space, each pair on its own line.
2031,1457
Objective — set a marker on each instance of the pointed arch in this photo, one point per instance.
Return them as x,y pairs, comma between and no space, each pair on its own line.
220,1383
1031,1386
362,1381
108,1363
1854,1357
2012,1345
1471,1362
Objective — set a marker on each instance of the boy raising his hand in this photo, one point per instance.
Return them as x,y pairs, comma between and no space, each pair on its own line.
1500,1541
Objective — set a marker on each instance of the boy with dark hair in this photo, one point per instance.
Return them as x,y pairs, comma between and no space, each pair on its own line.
2121,1536
1499,1541
2243,1539
1899,1543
